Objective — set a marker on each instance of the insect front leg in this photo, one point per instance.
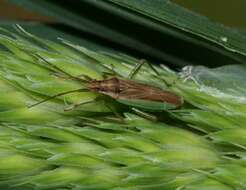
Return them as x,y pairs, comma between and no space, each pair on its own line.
138,67
74,106
57,95
111,73
117,114
144,114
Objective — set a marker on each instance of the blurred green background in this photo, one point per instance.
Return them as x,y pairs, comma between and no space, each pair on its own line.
230,13
158,30
9,11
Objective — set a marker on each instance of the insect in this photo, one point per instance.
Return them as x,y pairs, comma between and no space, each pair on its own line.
127,92
136,94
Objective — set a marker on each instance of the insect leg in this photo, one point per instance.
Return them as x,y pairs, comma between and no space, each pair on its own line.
138,67
87,78
115,113
60,75
144,114
57,95
77,105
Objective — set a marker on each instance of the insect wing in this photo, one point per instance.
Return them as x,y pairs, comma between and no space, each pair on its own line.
147,105
147,97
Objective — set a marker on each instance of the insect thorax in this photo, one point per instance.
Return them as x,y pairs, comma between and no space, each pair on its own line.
105,86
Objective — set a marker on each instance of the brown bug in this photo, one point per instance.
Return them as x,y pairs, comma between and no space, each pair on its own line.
127,92
136,94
